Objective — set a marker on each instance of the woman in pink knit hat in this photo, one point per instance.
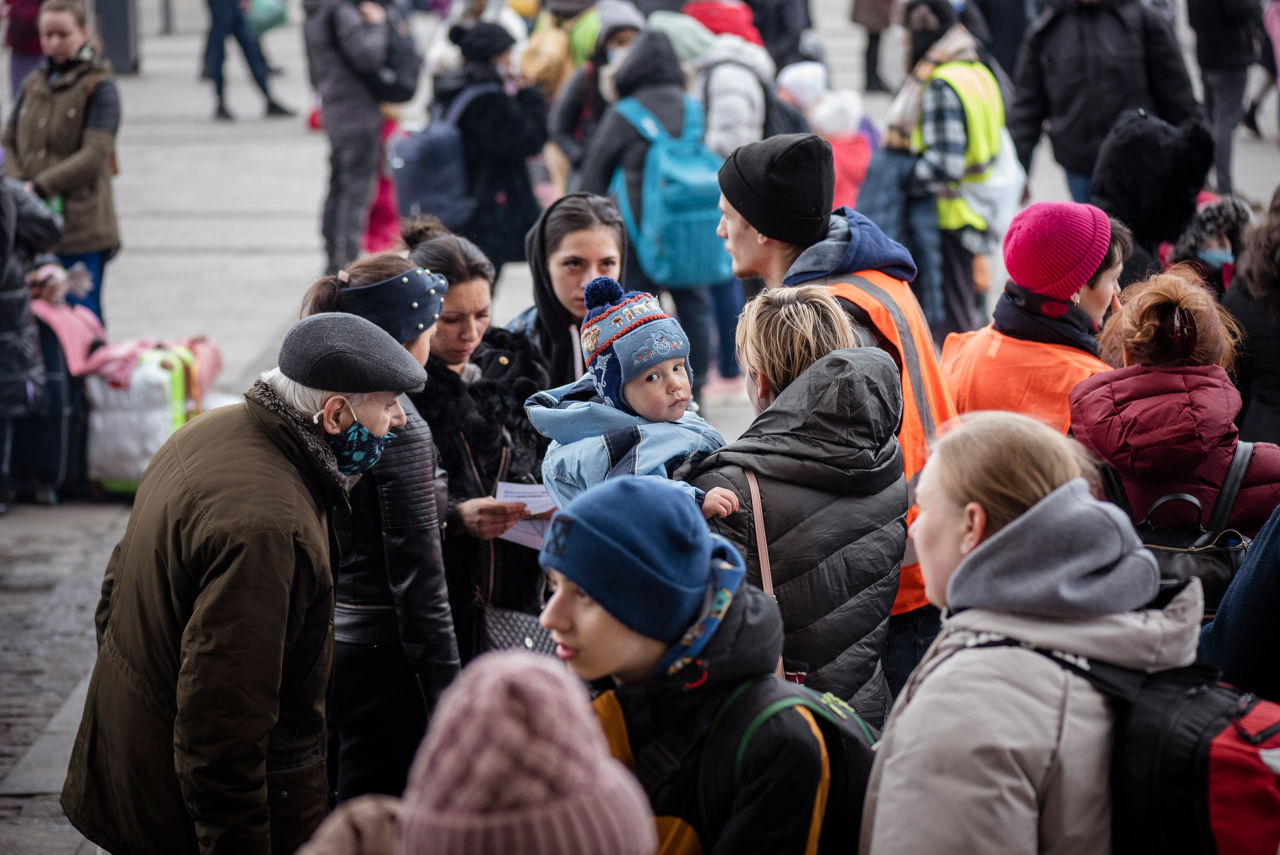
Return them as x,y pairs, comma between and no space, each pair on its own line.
514,763
1064,261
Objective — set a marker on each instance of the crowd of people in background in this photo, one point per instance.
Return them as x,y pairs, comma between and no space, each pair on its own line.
788,640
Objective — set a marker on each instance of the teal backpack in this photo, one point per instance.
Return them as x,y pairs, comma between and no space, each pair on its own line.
675,240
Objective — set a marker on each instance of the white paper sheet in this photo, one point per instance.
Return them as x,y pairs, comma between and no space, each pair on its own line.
534,496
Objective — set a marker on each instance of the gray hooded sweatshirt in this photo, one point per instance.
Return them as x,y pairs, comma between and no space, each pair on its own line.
347,106
1001,750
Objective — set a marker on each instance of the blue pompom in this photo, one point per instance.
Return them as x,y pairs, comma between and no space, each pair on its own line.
602,291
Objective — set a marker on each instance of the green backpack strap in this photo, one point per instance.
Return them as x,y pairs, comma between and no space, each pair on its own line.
766,697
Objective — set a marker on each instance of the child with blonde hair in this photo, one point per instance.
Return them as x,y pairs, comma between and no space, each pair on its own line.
819,479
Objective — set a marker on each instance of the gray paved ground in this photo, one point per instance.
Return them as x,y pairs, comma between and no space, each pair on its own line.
221,237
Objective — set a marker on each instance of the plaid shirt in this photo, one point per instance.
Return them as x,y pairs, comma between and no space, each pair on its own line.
941,164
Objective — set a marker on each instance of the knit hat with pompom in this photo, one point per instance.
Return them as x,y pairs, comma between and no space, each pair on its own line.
515,762
624,335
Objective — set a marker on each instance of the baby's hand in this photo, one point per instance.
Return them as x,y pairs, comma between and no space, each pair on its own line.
719,502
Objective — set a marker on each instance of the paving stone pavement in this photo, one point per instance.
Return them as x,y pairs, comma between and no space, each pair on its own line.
220,227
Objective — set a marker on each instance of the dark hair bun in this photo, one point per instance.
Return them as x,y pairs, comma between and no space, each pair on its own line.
457,33
422,229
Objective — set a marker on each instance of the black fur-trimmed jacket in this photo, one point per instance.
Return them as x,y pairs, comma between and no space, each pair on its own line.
391,585
483,436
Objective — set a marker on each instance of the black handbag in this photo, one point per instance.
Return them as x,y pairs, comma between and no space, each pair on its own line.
1212,554
505,629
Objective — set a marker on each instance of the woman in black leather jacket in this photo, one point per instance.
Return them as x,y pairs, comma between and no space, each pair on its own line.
27,227
478,378
394,644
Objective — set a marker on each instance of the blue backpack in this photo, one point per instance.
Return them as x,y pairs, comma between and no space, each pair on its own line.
429,168
675,240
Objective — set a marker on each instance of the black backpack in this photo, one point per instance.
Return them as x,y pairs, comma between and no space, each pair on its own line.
1212,554
725,731
396,80
1195,766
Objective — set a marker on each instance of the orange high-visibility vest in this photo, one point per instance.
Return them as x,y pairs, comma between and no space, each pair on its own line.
926,403
988,370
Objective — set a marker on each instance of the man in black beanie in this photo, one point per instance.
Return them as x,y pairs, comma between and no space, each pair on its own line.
777,224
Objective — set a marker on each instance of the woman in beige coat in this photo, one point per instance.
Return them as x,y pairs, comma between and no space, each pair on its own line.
1000,749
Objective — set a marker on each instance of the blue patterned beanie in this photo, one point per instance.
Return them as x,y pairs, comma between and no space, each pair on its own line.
624,335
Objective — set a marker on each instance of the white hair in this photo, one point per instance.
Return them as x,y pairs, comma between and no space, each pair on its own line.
304,399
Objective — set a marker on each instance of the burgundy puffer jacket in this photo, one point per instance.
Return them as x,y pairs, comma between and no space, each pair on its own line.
1172,430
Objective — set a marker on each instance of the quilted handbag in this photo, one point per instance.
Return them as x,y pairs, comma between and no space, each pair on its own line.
505,629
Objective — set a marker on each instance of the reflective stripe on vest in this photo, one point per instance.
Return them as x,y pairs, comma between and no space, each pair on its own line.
979,94
926,403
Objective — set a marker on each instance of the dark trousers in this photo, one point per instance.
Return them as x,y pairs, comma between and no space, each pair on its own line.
726,302
377,718
1224,104
693,309
910,635
353,169
959,302
227,20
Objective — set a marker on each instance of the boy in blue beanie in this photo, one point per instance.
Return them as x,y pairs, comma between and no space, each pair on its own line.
643,593
629,415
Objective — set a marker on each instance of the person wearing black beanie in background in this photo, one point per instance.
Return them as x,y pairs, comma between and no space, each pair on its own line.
777,224
503,124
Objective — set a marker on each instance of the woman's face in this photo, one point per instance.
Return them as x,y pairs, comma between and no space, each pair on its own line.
582,256
60,36
1103,295
464,317
940,533
592,642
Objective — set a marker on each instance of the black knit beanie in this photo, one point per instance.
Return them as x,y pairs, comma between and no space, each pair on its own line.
481,41
783,186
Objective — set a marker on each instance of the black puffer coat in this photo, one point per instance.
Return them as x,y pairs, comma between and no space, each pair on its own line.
27,227
1084,63
484,437
835,505
391,587
499,131
1258,369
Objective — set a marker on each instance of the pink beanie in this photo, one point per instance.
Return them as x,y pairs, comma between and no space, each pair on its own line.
1054,248
515,762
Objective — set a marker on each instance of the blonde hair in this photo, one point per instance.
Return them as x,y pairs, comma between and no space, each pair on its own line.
1144,327
1006,462
785,330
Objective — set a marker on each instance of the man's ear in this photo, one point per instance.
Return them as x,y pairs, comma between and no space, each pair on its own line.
764,393
330,418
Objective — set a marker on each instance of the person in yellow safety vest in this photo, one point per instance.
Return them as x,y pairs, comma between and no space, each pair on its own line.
777,225
950,114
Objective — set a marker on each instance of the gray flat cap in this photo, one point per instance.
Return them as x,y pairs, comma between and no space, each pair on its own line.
338,352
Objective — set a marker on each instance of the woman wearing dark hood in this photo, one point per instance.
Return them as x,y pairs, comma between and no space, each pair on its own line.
651,74
577,239
477,380
500,129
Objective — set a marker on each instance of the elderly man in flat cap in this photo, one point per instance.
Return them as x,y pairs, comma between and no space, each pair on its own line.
204,727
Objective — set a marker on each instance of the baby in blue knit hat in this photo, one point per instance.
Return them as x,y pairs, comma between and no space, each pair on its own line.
629,415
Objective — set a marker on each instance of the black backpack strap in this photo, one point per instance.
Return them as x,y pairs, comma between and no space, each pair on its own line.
657,763
1226,500
1117,683
1114,487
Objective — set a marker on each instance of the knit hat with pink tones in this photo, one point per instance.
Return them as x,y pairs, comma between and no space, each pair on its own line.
515,762
1054,248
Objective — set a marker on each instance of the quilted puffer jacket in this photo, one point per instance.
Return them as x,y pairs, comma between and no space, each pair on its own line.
835,503
1172,430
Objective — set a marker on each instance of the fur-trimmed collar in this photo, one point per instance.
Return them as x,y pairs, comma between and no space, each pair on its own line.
326,464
